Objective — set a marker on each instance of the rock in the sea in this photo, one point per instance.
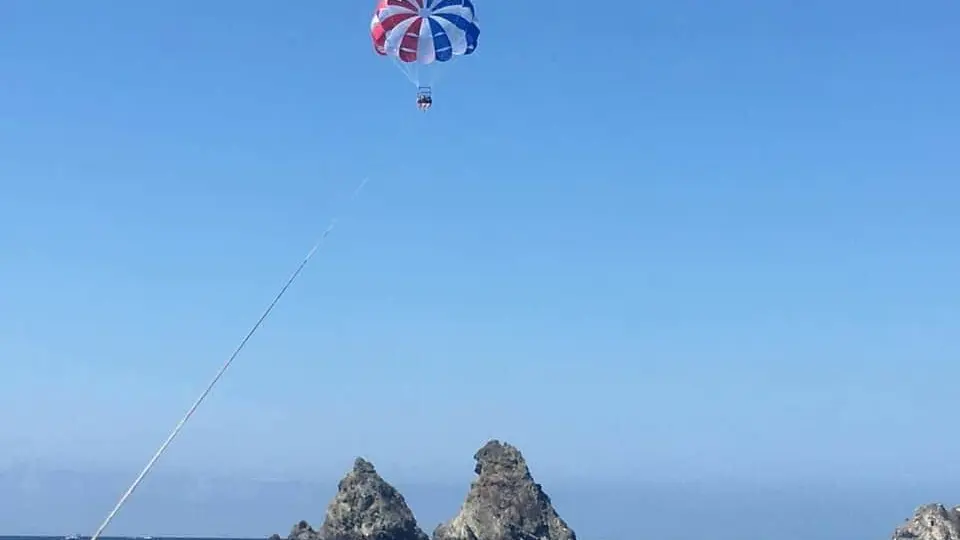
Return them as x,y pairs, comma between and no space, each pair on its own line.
504,502
365,507
931,522
303,531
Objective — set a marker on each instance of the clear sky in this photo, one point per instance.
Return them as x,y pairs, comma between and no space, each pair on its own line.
681,240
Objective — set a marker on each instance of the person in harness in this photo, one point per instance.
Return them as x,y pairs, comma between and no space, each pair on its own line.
424,100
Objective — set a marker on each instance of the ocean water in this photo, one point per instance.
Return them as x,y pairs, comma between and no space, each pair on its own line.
635,511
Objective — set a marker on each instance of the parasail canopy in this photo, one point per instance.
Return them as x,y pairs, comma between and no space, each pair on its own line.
424,31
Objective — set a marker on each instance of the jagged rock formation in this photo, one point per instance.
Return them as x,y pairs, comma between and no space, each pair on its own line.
365,507
504,502
302,531
931,522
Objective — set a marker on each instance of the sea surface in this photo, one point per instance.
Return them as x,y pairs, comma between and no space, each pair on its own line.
168,509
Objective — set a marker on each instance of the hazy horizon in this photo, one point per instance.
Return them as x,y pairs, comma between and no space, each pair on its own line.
43,502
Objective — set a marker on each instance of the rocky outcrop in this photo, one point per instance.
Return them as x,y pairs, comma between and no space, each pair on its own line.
931,522
302,531
504,502
365,507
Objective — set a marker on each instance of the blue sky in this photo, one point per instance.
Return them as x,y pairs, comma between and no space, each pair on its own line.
702,242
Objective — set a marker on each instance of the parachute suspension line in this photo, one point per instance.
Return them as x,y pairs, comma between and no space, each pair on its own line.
163,447
435,70
408,69
421,75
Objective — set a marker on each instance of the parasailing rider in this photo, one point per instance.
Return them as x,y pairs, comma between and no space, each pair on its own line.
424,101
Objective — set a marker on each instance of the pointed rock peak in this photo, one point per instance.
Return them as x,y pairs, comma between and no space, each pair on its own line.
931,522
504,502
362,466
496,457
362,472
367,507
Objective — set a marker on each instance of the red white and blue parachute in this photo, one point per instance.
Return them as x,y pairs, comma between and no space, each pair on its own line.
419,33
424,31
